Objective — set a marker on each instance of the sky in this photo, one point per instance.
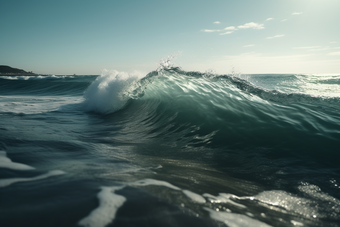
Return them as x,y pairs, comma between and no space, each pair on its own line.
84,37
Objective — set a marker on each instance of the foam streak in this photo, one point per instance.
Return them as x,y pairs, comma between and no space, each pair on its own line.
8,164
109,203
8,182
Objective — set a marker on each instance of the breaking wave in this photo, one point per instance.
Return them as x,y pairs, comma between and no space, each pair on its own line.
204,109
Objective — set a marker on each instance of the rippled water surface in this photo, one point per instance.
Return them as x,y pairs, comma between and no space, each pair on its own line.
172,148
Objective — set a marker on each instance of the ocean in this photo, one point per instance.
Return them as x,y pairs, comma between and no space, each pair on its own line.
170,148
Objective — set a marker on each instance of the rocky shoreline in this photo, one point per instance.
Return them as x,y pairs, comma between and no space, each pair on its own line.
9,71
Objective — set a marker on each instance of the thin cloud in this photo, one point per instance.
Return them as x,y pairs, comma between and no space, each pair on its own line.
231,28
227,33
268,19
276,36
309,47
284,20
217,22
251,45
333,42
297,13
210,30
312,48
319,49
252,25
334,53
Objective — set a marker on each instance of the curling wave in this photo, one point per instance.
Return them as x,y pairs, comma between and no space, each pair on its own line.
203,109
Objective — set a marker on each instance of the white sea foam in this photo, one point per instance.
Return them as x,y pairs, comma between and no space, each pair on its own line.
109,203
108,93
158,167
249,214
296,223
147,182
8,182
322,205
7,163
315,192
105,213
194,197
224,198
287,201
235,220
316,204
39,77
33,104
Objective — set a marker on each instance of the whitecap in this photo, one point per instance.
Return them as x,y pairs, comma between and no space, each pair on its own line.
108,93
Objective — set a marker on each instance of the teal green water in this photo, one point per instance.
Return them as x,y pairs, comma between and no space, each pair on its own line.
173,148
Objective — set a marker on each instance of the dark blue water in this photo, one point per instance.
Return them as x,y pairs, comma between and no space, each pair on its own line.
172,148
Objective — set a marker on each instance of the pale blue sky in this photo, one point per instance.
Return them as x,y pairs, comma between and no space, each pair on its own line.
84,37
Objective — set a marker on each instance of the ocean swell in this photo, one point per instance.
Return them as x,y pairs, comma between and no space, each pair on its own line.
201,109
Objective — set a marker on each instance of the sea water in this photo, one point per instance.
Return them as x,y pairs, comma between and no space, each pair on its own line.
170,148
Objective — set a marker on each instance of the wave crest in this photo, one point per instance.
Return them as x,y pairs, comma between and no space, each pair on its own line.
108,93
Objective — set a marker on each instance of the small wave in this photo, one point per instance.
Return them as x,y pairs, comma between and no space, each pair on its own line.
38,77
45,85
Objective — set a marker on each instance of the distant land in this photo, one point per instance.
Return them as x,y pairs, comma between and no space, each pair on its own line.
9,71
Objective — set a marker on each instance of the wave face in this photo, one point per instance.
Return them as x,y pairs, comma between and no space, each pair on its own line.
196,109
172,148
